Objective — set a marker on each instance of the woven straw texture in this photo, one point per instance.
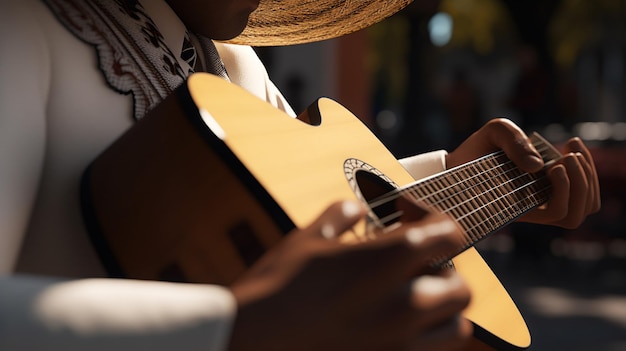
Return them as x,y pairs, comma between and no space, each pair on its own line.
288,22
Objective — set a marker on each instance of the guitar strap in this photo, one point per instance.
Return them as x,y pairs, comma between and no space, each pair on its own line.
132,53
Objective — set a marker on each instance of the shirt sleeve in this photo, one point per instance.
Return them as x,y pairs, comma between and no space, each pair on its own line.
424,165
112,314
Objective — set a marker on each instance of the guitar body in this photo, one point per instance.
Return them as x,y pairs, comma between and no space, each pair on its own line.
213,177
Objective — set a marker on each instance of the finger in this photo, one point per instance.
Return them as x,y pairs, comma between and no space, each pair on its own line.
422,305
395,257
578,192
570,193
576,145
438,302
333,221
436,240
557,208
414,248
437,298
412,210
591,189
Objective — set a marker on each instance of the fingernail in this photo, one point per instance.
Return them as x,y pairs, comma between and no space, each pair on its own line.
578,143
350,208
534,162
435,285
328,231
572,161
559,171
417,235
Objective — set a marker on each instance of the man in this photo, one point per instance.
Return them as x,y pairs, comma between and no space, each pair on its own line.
76,74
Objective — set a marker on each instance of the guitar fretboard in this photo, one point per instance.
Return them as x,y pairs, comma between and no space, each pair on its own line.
483,195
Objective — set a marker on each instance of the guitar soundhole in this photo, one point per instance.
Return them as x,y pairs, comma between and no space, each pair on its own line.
369,184
379,193
373,187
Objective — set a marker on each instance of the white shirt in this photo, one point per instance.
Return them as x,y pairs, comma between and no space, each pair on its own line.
56,114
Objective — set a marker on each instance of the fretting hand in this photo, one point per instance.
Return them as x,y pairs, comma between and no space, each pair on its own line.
575,187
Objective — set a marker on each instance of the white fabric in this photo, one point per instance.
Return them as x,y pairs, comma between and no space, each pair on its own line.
109,314
424,165
56,114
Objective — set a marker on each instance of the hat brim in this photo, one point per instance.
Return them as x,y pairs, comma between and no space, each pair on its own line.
289,22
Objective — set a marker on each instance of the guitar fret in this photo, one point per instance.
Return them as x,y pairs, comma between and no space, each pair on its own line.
522,205
510,186
490,188
444,190
412,192
462,206
487,206
476,222
487,191
503,205
501,189
455,188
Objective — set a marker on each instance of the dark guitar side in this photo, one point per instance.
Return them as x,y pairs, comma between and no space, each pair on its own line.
156,197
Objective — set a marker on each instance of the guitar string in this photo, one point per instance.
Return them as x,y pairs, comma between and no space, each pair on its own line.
411,189
473,197
468,189
490,191
393,195
471,240
520,207
437,195
514,213
476,209
471,233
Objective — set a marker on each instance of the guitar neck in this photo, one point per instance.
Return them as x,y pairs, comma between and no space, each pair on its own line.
483,195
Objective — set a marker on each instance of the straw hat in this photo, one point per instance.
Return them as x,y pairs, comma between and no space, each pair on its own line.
287,22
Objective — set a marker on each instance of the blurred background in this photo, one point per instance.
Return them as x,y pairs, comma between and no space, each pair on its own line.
432,74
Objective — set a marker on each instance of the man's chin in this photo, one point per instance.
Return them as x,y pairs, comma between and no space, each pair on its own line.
234,32
224,33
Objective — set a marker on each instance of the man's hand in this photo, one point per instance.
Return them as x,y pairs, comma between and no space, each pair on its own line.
575,186
313,292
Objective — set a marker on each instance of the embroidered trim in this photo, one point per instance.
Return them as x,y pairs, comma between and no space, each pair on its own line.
189,53
132,53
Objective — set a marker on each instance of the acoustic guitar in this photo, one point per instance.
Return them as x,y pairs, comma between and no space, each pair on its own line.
214,156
